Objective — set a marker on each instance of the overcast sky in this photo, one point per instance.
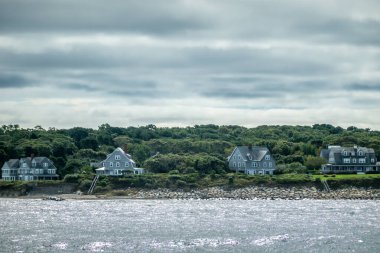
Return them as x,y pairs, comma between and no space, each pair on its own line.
179,63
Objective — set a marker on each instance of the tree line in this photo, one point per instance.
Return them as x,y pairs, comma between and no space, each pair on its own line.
200,148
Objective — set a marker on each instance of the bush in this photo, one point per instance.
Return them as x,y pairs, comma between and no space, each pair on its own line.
85,185
71,178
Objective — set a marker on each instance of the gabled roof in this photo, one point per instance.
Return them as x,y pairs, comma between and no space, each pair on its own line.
13,163
339,150
122,153
257,153
16,163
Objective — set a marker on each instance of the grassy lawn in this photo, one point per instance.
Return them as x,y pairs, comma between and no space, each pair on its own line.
348,176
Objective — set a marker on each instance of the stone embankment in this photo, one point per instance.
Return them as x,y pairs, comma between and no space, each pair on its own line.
292,193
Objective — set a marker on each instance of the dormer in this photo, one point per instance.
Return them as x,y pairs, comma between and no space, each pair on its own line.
360,152
249,156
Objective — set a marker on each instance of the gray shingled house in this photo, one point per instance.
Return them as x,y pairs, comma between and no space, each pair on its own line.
29,168
118,163
349,159
252,160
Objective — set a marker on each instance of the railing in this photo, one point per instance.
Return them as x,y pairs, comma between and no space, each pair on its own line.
326,185
93,184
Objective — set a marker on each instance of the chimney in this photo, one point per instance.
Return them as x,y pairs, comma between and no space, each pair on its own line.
31,156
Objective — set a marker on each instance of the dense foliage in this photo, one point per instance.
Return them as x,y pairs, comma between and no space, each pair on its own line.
201,148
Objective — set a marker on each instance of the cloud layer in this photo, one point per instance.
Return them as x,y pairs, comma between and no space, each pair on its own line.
69,63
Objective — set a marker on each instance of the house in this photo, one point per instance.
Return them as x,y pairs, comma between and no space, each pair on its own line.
118,163
252,160
29,168
349,159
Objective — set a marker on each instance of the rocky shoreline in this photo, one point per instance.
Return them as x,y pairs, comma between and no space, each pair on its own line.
250,193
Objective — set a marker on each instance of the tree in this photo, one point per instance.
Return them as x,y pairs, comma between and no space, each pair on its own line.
314,162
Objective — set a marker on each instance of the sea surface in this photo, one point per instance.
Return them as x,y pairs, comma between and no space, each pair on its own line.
124,225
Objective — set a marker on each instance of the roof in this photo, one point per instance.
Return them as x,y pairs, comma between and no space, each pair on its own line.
257,153
15,163
339,149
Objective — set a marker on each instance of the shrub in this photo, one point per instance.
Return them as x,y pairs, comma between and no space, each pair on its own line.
71,178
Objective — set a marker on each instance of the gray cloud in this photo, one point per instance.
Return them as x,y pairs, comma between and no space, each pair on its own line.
14,81
79,86
154,17
187,62
365,87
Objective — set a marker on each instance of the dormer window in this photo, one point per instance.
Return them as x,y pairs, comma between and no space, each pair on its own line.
345,153
117,157
117,164
372,160
267,157
354,160
360,153
34,164
127,164
45,165
111,164
249,156
24,165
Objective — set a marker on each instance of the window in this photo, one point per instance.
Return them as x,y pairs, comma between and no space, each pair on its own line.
104,164
234,157
111,164
354,160
361,160
239,165
265,164
239,157
267,157
345,153
346,160
254,164
372,160
34,164
270,164
24,165
45,165
360,153
234,165
127,164
117,164
117,157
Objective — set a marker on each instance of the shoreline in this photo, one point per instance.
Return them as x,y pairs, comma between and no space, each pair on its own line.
246,193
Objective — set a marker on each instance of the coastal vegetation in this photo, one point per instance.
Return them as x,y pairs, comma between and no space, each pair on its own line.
187,157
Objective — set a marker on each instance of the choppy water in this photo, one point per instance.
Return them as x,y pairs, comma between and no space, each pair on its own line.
189,226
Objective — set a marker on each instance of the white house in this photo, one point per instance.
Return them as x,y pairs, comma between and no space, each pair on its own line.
118,163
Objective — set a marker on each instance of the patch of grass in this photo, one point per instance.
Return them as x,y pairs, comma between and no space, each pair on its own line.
347,176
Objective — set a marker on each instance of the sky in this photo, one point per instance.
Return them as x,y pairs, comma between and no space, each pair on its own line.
185,62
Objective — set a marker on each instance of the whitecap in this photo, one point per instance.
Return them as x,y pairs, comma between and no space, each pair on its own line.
270,240
60,245
96,246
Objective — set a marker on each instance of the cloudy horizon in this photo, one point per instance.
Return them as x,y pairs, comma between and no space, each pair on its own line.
180,63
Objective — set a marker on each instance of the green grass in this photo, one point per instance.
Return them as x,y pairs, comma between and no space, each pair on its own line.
347,176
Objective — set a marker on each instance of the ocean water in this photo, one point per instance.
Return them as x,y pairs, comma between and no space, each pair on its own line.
189,226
